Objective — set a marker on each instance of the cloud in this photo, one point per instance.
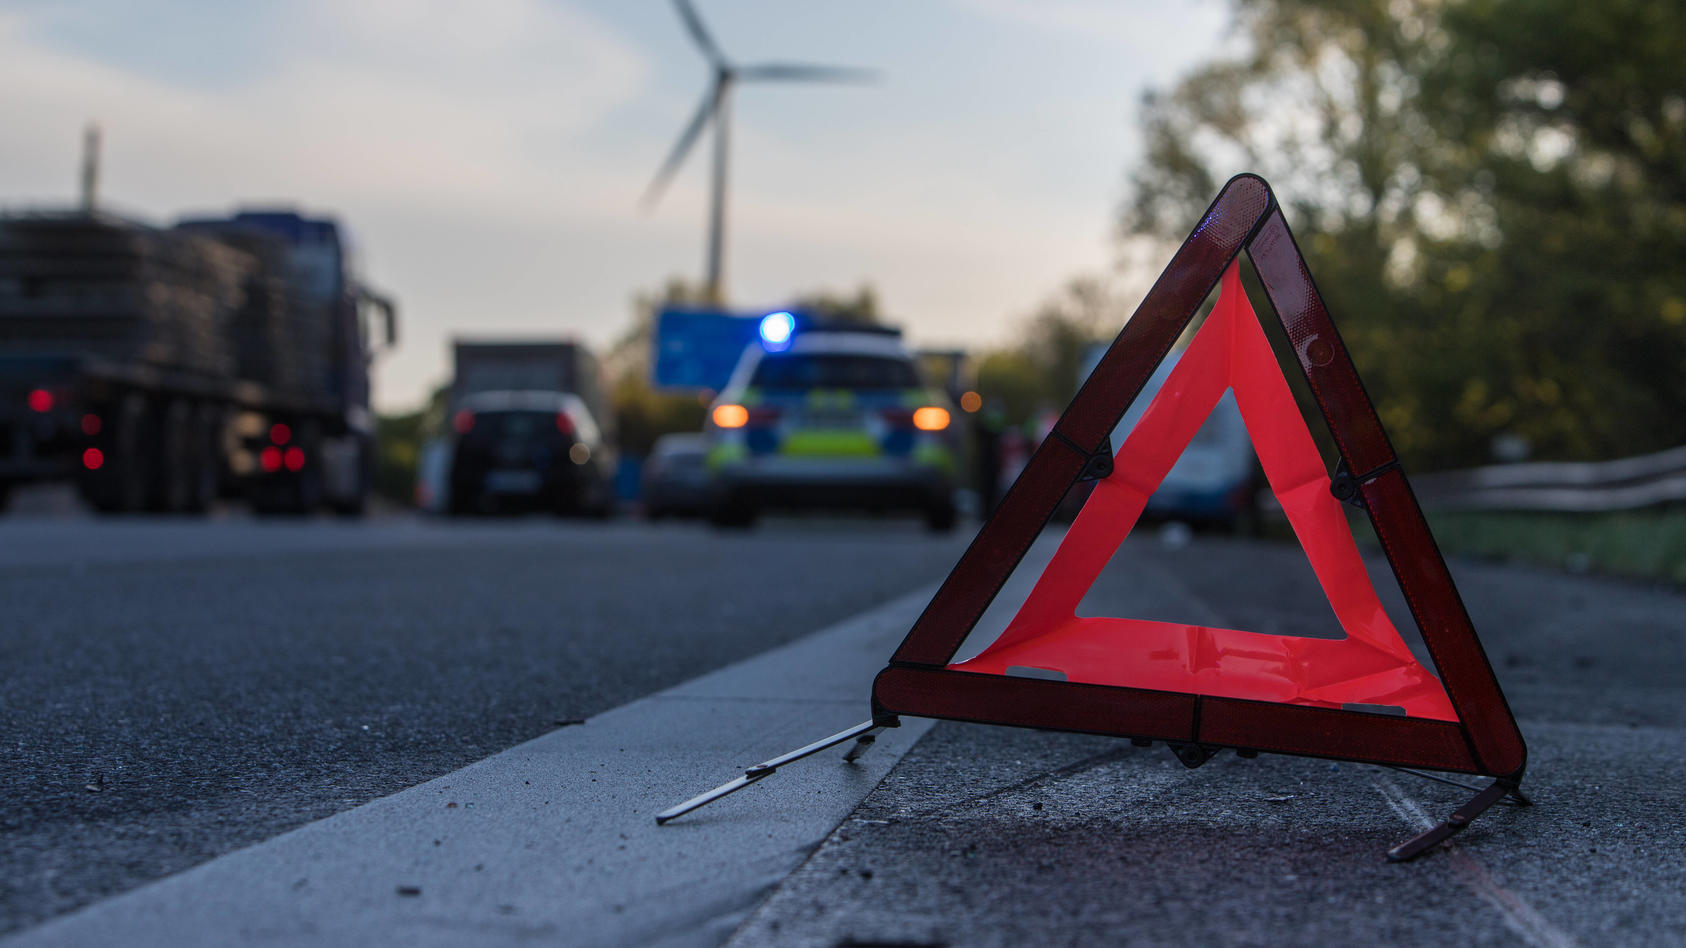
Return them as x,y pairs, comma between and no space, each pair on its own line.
386,101
1147,29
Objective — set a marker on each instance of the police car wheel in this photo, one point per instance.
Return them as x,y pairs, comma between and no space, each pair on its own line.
733,514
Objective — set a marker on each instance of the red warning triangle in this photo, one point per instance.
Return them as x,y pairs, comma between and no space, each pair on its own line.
1191,684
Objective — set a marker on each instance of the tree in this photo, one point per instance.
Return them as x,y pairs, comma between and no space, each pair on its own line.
643,414
1038,370
861,309
399,439
1573,122
1489,193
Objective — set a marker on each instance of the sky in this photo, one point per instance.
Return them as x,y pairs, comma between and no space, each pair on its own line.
488,157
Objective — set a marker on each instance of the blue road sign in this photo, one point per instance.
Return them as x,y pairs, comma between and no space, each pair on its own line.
697,348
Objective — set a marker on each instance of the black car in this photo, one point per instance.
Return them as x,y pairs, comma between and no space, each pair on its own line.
529,450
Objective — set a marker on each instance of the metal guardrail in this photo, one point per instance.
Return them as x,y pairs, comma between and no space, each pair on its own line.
1567,486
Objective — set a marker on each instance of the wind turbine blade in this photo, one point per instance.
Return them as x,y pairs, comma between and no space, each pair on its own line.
687,138
798,72
694,25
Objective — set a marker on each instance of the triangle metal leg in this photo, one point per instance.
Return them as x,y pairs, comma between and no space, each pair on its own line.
864,734
1460,818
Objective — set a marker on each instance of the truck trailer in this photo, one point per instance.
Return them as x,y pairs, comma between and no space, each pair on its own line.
501,365
158,368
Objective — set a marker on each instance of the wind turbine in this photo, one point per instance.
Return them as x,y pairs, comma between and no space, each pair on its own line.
716,108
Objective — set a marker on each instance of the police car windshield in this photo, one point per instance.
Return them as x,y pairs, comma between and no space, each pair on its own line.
800,371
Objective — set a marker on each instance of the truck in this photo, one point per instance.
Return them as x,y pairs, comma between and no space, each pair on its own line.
486,365
160,367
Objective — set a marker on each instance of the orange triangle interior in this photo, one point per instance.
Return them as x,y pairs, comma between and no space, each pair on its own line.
1369,666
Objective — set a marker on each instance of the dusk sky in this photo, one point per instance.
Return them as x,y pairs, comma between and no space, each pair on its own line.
488,157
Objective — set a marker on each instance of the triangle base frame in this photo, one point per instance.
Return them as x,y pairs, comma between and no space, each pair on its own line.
1191,755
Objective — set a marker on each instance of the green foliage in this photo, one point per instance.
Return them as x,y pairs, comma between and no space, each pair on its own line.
1645,544
1491,193
1010,380
398,443
643,414
861,309
1038,371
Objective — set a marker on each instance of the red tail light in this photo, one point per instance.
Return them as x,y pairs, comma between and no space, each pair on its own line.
40,400
898,417
564,424
91,424
270,459
93,458
463,422
293,457
280,434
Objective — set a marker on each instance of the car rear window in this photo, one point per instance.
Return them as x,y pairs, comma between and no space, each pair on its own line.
514,425
799,371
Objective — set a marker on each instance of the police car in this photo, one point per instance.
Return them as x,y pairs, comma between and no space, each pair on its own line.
829,418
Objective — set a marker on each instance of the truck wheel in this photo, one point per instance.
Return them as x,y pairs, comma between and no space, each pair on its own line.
461,502
357,504
187,469
351,507
307,484
207,458
733,513
597,499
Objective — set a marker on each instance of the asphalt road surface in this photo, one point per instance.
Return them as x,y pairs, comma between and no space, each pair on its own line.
177,691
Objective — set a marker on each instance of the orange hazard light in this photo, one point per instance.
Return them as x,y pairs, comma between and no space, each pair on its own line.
930,418
730,416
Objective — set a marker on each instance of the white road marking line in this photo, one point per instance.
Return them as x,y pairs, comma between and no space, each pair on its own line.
1517,915
556,839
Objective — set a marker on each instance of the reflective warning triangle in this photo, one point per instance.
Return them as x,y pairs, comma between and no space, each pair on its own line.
1362,697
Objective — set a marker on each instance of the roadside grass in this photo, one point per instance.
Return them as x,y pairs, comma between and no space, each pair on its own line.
1646,544
1640,544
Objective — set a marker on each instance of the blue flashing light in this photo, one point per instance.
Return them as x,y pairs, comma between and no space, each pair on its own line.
776,329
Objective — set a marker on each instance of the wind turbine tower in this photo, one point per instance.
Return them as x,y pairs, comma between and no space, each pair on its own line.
715,111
